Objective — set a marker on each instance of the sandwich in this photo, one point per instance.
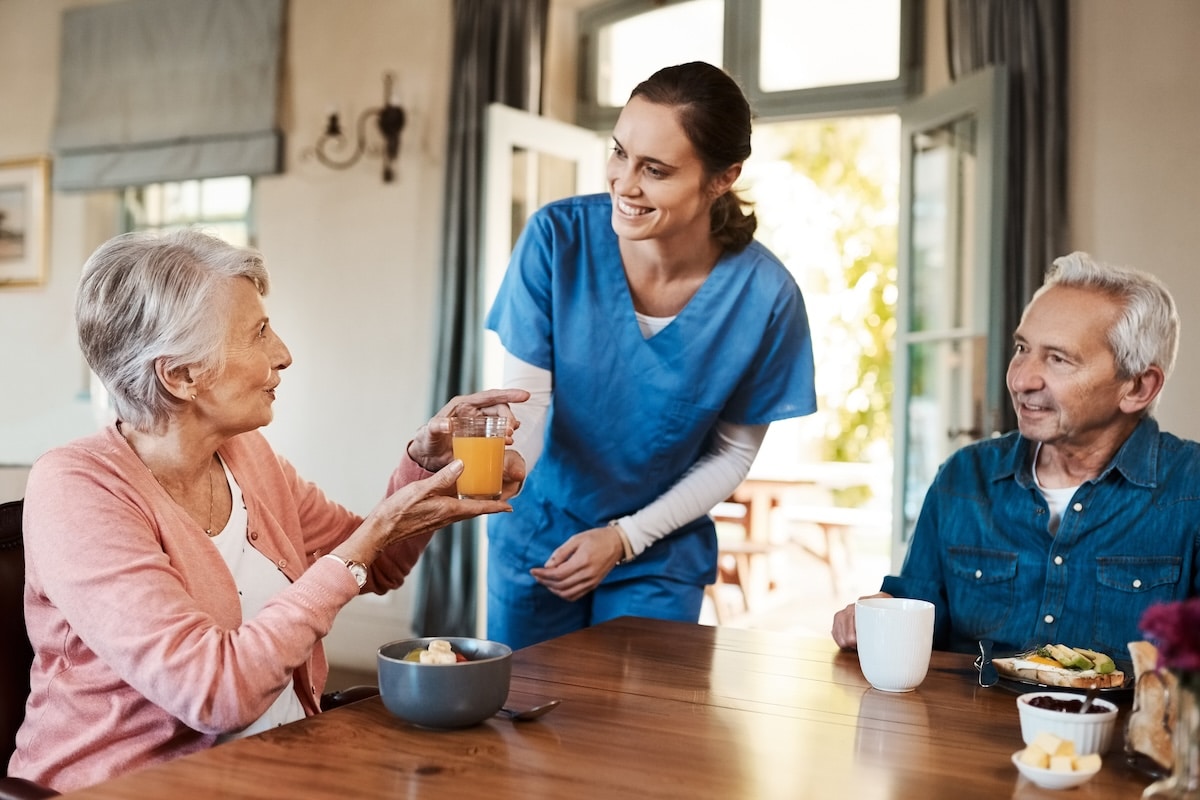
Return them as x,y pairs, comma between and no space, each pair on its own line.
1059,665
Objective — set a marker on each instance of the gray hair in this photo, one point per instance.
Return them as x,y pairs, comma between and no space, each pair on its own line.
144,297
1147,332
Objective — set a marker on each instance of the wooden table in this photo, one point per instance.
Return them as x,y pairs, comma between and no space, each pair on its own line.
654,709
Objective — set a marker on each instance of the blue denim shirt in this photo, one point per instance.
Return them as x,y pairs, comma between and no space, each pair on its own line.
983,554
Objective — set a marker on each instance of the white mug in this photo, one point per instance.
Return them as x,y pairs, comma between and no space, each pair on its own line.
895,639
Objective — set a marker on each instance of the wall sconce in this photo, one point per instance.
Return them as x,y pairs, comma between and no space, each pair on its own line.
389,119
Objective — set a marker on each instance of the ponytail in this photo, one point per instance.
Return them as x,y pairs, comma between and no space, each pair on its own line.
732,227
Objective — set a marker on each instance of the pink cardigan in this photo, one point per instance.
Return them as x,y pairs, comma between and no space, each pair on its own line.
142,654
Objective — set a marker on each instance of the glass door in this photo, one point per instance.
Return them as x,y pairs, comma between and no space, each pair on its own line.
950,354
529,161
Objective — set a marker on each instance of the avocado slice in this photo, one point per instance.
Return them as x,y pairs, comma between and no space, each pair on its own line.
1068,657
1103,663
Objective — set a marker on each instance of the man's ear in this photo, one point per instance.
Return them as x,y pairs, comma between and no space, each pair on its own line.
176,380
1143,389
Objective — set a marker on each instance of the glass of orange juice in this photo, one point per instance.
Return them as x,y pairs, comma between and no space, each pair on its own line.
479,443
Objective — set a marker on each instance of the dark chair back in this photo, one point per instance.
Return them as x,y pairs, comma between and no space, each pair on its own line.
16,656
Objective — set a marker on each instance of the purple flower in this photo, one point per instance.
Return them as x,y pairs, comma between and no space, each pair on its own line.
1175,629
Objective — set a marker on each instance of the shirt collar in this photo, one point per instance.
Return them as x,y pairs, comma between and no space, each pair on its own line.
1136,460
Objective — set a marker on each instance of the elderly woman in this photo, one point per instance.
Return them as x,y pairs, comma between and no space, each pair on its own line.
180,573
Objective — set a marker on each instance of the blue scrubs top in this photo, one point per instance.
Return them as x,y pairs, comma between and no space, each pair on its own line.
629,415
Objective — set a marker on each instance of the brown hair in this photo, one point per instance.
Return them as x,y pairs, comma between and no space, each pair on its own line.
715,117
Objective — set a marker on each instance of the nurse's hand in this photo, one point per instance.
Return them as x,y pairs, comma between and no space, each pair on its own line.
432,447
581,562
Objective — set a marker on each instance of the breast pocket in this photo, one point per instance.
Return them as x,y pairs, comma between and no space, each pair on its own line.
981,589
1127,586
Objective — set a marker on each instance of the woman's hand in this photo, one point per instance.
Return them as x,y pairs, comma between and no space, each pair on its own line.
432,447
578,565
418,508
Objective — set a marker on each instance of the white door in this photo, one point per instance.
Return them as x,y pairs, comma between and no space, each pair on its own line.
950,354
529,161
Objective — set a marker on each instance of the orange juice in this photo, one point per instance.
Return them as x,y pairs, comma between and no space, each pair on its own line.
483,463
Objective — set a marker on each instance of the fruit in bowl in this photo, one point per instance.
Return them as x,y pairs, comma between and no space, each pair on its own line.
440,693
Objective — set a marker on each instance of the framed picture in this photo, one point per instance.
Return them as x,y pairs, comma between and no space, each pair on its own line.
24,221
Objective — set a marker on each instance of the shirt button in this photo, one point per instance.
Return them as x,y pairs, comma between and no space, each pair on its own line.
253,536
1137,583
282,563
1048,619
1058,560
1078,506
978,573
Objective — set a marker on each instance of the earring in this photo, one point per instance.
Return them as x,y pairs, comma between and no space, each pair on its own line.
193,397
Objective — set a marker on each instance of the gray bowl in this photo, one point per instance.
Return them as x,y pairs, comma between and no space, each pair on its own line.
445,695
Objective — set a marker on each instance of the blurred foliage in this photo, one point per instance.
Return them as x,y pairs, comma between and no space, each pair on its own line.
834,155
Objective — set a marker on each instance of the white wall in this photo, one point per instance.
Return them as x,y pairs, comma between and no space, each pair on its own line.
1135,158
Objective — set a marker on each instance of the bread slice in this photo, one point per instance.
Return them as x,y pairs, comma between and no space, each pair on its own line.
1023,667
1150,722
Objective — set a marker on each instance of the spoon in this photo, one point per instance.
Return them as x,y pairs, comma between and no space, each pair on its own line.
1087,701
529,713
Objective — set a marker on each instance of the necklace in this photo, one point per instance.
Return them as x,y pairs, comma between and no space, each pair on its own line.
211,493
209,530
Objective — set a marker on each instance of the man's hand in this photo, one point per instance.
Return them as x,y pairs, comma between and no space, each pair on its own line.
844,631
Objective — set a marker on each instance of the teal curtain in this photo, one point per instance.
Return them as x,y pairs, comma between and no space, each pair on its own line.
499,47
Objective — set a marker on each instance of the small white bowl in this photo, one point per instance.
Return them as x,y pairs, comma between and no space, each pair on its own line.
1052,779
1091,732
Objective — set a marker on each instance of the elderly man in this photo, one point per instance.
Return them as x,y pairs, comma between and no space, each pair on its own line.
1066,530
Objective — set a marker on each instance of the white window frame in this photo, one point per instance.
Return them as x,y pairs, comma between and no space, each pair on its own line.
741,55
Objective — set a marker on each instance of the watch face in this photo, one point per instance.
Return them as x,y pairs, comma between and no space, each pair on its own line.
359,572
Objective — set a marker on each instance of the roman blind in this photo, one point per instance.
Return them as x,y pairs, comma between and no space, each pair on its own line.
168,90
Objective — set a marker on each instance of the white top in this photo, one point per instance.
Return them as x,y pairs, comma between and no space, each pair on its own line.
258,580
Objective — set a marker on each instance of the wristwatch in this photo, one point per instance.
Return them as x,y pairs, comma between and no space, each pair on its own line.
357,568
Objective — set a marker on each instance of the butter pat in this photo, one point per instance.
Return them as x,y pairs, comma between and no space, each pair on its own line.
1087,763
1062,763
1052,745
1035,756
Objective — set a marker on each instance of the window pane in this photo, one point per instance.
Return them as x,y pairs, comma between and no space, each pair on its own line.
225,197
806,43
634,48
182,201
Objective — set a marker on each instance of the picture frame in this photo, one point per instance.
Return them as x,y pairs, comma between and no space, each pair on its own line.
24,221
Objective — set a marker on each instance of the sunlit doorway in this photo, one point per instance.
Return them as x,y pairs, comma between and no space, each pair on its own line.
826,195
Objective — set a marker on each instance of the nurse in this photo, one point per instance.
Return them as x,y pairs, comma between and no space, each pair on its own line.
658,341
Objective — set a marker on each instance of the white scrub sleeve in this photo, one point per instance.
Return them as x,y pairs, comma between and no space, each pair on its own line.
711,479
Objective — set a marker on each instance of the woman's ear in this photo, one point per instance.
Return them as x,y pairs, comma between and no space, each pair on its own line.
723,181
176,380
